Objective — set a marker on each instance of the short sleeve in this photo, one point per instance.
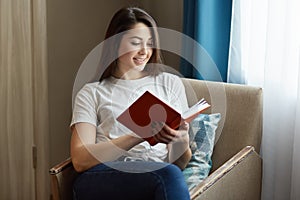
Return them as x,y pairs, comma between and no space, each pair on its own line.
85,106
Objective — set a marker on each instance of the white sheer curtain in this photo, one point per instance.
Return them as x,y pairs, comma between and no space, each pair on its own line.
265,51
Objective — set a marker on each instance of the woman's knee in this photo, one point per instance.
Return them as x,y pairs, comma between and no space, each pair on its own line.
172,171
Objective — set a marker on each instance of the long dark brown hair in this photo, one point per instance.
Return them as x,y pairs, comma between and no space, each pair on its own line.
124,20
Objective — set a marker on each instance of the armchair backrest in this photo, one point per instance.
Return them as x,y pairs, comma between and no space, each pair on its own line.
241,115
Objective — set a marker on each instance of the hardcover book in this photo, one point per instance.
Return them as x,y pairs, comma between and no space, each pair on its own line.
148,108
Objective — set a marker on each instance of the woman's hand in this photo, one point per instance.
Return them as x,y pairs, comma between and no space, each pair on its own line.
177,141
164,134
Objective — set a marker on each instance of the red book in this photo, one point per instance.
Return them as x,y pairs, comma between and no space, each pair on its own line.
148,108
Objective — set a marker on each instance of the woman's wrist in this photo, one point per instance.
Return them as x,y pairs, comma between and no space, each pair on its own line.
133,140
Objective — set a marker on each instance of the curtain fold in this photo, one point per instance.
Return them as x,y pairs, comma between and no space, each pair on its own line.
208,23
40,98
266,41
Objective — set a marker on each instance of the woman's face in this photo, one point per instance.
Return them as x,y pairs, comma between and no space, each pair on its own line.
135,48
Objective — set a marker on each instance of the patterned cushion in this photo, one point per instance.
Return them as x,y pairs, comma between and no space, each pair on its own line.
202,135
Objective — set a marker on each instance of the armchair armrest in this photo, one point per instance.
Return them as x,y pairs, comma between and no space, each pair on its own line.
61,166
238,178
62,177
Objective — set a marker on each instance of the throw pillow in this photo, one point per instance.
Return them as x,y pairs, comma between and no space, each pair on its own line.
202,135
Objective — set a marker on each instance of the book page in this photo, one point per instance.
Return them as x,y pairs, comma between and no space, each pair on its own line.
196,109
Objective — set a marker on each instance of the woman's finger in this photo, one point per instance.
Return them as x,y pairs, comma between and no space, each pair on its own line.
162,138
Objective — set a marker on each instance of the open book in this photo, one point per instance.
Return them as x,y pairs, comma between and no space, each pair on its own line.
148,108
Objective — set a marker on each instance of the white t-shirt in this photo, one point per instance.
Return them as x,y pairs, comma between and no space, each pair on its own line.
100,103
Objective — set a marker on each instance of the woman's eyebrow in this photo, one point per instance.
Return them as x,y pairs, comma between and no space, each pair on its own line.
137,37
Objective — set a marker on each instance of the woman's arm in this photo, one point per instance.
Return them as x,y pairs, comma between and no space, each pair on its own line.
86,153
177,141
179,149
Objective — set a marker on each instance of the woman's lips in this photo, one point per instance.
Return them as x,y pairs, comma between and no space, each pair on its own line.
139,61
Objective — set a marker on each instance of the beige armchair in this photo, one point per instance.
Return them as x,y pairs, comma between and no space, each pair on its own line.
237,166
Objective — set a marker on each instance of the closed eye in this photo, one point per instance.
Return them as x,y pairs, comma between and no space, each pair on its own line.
150,44
135,43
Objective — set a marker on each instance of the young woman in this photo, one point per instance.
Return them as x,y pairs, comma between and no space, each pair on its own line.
113,162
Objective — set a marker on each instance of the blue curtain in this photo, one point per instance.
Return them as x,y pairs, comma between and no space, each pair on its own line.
207,22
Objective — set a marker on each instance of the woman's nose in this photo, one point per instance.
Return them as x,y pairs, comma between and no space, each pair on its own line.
144,50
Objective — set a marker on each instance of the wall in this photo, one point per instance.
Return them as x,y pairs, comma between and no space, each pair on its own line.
74,28
168,14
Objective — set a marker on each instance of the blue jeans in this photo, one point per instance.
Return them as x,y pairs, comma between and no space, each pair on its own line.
105,181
